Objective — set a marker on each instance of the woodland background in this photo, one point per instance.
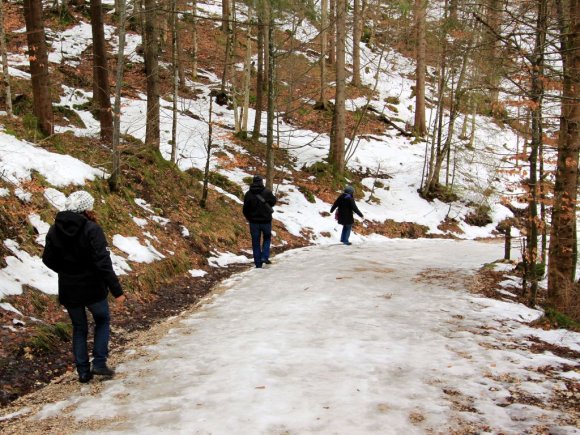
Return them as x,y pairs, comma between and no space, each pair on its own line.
265,70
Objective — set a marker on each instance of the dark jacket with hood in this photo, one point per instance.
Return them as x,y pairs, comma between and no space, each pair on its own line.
255,210
76,249
346,206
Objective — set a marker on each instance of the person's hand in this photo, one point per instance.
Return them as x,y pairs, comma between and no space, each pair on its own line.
120,299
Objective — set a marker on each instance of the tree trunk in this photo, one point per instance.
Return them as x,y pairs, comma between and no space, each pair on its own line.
204,192
356,37
420,128
331,32
563,241
116,171
267,12
491,67
270,117
152,134
5,73
259,79
339,111
247,75
180,53
38,57
194,40
537,94
101,92
453,114
323,49
225,15
175,68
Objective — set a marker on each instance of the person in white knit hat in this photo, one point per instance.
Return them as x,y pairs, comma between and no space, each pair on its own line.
76,249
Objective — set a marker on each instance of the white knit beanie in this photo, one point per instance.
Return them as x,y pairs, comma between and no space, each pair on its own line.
79,201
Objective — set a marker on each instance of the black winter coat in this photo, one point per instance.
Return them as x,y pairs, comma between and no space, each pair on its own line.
76,249
256,211
346,206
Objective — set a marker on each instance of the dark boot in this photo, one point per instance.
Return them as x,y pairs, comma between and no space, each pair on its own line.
103,371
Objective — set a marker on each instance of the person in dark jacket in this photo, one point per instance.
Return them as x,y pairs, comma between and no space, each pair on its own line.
258,203
76,249
346,206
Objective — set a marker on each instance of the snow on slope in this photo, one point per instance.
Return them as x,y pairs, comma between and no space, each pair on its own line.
393,154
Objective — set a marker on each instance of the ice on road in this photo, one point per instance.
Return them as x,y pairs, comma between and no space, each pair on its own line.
379,337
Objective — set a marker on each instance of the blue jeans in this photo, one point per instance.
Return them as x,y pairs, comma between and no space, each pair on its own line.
346,229
101,316
261,249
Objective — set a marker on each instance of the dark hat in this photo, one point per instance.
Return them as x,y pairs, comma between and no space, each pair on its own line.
349,190
257,180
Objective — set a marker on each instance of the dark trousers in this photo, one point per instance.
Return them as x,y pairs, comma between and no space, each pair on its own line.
101,316
261,247
345,235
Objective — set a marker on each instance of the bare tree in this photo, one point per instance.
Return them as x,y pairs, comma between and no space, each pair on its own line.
101,92
38,57
420,127
247,75
270,112
563,254
152,134
537,95
259,78
116,172
322,102
194,40
337,147
175,68
203,201
4,53
356,37
226,13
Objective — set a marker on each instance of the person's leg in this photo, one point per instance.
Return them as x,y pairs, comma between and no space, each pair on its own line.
101,315
257,252
78,317
267,233
346,229
343,234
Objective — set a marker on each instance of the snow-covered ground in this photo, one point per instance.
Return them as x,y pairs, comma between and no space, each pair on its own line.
378,337
396,156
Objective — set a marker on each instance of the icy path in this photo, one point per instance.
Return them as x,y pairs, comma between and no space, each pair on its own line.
374,338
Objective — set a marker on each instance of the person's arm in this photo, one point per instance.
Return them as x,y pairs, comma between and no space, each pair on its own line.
49,256
246,207
334,205
355,208
102,259
271,199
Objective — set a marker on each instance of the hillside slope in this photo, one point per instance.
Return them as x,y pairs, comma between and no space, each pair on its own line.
167,249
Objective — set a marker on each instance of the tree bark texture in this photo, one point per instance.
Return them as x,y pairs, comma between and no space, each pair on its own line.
420,127
101,92
562,260
259,79
152,134
38,57
356,37
116,172
4,53
339,110
537,94
270,117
